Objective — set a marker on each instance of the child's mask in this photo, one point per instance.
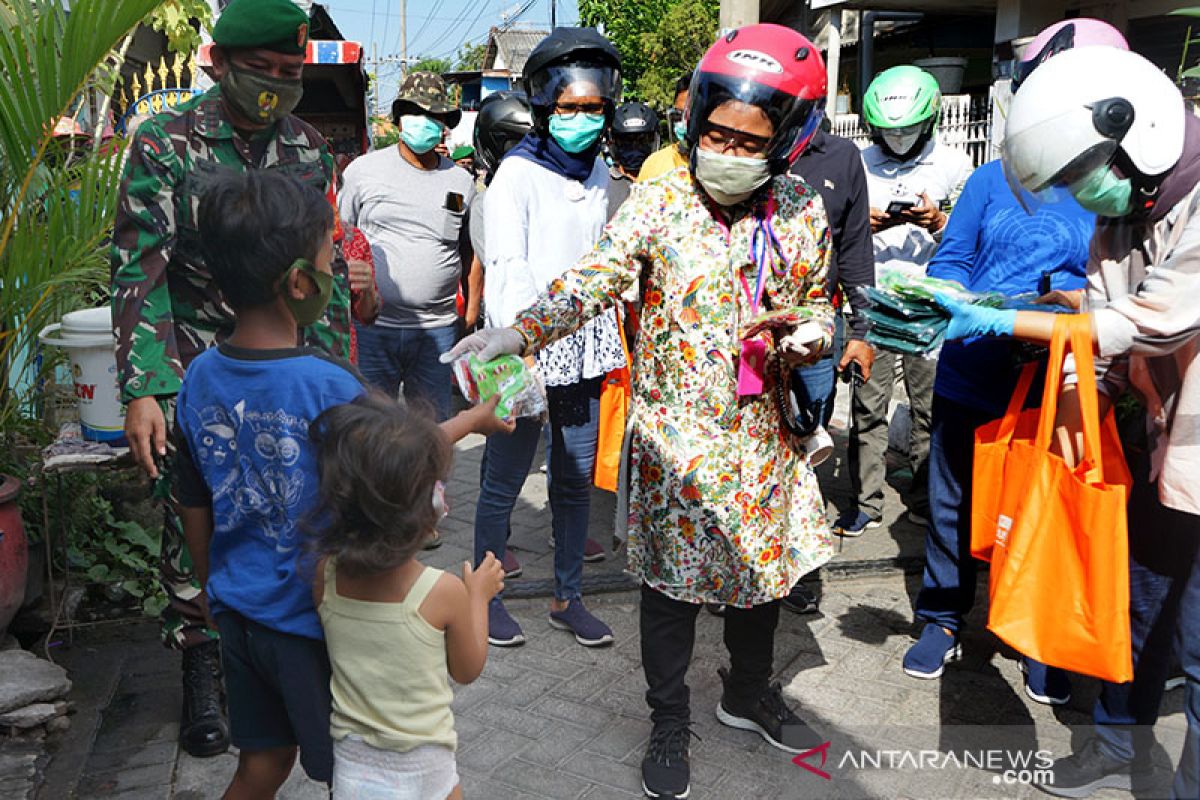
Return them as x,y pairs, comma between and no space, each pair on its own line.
309,310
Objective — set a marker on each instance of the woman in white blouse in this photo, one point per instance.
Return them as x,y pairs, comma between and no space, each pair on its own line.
545,208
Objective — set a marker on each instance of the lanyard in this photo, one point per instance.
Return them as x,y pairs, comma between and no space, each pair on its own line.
764,249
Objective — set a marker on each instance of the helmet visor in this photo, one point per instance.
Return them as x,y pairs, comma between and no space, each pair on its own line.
1055,152
581,80
794,119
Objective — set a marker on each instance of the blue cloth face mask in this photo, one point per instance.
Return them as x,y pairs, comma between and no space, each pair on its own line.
577,132
1103,193
420,133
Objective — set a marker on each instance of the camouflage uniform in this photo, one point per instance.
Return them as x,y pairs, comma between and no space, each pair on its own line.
165,304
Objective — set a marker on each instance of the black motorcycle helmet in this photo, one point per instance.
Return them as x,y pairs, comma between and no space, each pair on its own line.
567,56
633,135
504,119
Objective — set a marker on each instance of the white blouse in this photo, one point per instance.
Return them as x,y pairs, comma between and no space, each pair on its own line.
537,224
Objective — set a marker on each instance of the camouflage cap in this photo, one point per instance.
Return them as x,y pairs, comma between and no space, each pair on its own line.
278,25
426,92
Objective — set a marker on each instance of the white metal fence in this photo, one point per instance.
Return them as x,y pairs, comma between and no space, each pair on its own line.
965,124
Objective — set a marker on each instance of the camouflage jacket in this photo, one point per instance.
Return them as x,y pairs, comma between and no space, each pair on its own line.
165,304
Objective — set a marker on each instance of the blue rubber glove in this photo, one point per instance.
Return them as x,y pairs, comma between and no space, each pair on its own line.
967,321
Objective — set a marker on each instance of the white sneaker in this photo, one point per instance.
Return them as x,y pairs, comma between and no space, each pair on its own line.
818,447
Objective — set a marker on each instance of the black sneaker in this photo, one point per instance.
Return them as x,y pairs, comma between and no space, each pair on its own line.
666,772
203,731
802,600
1084,773
769,717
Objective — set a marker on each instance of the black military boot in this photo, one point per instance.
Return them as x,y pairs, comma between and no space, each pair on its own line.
203,731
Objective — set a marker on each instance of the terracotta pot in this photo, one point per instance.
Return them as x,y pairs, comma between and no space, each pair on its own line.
14,551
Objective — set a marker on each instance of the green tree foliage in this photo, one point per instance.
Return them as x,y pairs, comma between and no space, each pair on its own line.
470,57
57,198
173,19
624,23
658,39
434,65
675,46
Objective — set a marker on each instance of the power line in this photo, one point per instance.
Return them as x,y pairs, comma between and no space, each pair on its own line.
449,30
436,8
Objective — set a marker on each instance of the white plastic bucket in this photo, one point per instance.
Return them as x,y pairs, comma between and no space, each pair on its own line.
87,337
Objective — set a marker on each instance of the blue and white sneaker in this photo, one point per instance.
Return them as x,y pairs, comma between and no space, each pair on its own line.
1049,686
853,523
589,631
927,659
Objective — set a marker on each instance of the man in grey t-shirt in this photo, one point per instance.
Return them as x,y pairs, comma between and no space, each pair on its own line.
412,204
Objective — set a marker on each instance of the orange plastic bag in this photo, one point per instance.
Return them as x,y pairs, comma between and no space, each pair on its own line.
1056,535
614,405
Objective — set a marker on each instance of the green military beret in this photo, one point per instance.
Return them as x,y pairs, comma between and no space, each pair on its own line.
277,25
462,151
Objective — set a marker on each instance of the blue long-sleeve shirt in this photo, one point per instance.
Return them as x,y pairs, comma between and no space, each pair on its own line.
992,244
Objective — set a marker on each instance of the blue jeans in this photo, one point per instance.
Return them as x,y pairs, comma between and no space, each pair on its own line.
948,585
389,357
570,459
1164,605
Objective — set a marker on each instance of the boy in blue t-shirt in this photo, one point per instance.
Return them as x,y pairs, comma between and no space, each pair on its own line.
248,473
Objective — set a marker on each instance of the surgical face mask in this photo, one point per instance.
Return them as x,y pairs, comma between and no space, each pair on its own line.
577,132
259,97
1103,193
730,179
901,141
310,309
680,130
420,133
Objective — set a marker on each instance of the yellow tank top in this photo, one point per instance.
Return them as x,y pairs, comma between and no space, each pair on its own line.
390,682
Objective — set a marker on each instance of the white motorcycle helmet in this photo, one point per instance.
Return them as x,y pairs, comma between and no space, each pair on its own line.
1085,112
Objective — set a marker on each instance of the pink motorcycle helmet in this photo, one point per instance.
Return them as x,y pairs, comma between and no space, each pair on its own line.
1065,35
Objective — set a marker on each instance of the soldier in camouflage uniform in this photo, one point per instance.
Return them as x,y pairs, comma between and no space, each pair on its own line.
165,304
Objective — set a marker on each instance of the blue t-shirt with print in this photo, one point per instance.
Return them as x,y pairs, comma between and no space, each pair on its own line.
992,244
242,419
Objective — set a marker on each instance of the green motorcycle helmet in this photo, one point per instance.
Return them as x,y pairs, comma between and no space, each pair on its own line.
901,108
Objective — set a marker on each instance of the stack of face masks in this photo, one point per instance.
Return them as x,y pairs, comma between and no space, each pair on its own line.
905,318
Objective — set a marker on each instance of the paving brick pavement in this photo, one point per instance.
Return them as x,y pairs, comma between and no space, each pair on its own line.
553,720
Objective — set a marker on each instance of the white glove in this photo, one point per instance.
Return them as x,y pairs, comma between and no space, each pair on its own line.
487,344
806,341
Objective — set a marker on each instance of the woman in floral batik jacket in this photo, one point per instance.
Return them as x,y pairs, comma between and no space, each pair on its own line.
722,504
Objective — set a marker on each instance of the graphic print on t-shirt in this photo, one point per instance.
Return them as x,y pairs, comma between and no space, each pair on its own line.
260,481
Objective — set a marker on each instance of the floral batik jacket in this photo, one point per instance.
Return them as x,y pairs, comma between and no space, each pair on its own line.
723,506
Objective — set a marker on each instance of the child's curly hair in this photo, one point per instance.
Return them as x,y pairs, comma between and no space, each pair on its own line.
379,464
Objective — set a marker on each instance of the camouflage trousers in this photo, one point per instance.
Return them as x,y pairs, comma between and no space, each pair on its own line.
183,622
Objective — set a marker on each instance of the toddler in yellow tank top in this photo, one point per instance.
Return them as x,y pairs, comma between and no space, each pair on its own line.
396,630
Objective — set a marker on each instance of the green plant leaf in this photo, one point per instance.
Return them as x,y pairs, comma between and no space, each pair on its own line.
98,573
1193,11
134,588
1194,72
153,605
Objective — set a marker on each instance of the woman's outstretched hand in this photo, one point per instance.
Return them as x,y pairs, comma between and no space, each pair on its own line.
487,344
967,320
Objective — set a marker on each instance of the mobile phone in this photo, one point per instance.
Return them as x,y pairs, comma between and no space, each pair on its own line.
1044,286
853,374
897,206
454,202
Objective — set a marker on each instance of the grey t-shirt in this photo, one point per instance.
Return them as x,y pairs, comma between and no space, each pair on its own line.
409,215
476,223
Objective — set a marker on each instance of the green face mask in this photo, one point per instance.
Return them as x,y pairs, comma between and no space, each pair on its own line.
578,132
309,310
1103,193
258,97
680,130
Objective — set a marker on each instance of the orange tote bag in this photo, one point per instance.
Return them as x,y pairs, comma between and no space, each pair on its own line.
614,405
1057,534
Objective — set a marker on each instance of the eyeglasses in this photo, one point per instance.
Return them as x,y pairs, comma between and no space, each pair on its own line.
569,109
718,138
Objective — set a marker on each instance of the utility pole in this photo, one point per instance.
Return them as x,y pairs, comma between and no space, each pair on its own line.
403,37
374,79
736,13
553,14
